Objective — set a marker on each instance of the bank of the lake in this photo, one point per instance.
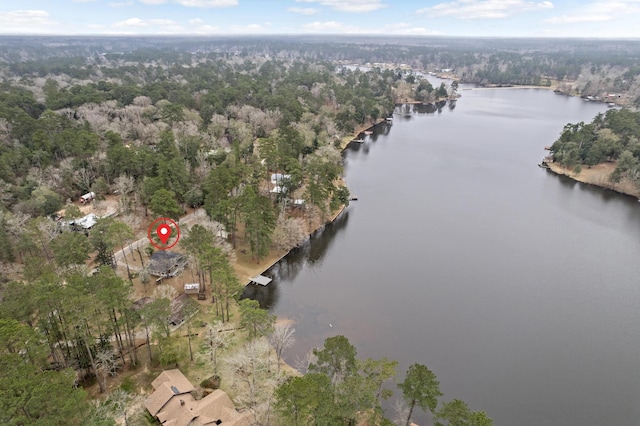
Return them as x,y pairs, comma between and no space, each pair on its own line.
516,287
598,175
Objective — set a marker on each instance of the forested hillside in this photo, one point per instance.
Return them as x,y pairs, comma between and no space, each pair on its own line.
576,66
94,145
610,137
249,131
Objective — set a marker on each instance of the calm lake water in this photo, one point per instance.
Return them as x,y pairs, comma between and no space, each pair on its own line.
518,288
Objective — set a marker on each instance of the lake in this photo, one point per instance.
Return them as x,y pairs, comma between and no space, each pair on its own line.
516,287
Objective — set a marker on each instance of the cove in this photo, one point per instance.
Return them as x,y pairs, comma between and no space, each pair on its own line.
516,287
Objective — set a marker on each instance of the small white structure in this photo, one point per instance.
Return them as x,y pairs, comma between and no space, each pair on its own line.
260,279
192,288
278,189
279,178
88,197
87,222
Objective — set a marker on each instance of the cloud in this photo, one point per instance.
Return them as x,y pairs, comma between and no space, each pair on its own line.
349,5
403,28
598,11
120,3
572,19
26,22
150,26
484,9
208,3
250,29
303,10
195,3
336,27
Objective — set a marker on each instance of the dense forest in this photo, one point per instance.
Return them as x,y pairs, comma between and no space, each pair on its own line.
251,138
577,66
247,130
610,137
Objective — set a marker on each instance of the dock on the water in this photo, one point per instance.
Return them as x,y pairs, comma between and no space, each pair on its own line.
260,280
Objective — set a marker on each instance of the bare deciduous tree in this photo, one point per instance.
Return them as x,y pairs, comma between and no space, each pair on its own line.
215,342
106,364
84,178
281,339
125,185
249,369
289,232
5,132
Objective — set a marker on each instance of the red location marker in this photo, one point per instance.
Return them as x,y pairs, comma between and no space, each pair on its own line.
164,232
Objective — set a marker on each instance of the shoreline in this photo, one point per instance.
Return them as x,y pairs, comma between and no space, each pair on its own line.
261,268
598,176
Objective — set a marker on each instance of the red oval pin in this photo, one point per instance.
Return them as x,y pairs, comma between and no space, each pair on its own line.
166,230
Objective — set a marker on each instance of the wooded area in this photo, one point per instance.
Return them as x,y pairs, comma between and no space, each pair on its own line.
610,137
243,128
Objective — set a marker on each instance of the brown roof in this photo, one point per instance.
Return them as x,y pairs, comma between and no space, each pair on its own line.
174,405
177,411
176,379
177,304
159,398
214,404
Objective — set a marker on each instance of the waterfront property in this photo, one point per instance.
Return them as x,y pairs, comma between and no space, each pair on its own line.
173,403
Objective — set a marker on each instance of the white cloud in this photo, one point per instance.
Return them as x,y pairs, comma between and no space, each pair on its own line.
572,19
349,5
303,10
196,21
151,26
26,22
208,3
131,22
407,29
336,27
195,3
251,28
120,3
484,9
598,11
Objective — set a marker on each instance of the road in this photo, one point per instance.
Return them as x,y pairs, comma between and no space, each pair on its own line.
192,218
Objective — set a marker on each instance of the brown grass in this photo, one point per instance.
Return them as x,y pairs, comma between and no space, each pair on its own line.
598,175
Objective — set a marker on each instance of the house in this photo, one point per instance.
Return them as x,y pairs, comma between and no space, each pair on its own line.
84,223
165,264
88,197
173,403
278,189
280,179
177,309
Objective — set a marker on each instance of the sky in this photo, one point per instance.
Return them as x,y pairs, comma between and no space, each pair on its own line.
471,18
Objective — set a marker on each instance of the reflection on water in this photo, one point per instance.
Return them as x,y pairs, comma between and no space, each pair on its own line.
518,288
309,254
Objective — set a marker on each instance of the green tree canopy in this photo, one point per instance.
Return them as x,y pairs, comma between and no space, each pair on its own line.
420,387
